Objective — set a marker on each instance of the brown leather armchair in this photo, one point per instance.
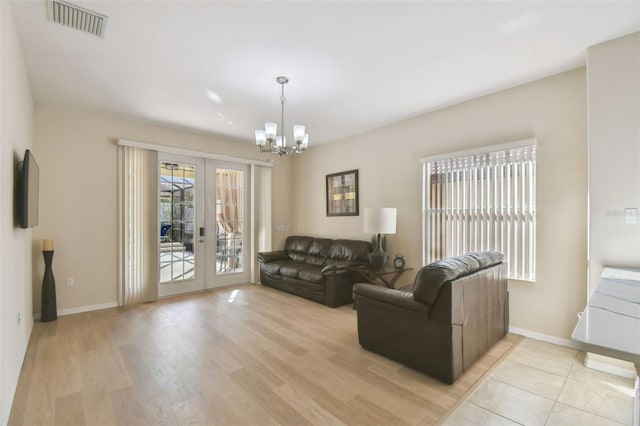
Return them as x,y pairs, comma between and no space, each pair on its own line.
458,308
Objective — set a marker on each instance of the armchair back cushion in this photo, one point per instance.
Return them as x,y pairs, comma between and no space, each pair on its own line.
432,277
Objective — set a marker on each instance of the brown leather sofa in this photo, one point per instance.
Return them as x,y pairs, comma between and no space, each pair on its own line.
458,308
314,268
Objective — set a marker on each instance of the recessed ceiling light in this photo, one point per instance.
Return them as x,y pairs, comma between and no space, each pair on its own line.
214,96
222,119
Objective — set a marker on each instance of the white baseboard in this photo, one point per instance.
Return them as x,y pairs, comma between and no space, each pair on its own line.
63,312
610,365
544,337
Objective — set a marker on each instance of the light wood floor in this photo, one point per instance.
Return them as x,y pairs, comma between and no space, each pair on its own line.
244,355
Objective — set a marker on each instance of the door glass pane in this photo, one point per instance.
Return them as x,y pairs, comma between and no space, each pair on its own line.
177,221
229,220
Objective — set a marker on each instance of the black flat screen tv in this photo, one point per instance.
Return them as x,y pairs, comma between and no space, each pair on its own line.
28,191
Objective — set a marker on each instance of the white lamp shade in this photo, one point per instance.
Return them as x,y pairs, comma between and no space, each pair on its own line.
270,130
298,133
281,141
305,141
380,220
261,137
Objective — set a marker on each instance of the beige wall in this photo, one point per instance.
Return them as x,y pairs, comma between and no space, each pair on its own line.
78,199
553,110
614,153
16,251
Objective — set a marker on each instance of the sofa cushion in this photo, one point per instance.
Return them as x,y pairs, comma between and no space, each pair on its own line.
350,250
274,267
302,271
291,269
432,277
298,247
318,251
311,273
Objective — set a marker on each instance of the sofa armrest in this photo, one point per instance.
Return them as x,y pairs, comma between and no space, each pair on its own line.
344,267
270,256
398,298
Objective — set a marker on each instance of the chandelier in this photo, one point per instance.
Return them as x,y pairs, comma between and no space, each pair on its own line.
268,139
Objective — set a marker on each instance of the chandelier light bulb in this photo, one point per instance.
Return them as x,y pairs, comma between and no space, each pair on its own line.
270,130
261,138
298,133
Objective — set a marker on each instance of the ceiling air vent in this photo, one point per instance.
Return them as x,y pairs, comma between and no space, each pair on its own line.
77,17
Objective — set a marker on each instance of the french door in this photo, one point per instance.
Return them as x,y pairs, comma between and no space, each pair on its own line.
203,212
227,224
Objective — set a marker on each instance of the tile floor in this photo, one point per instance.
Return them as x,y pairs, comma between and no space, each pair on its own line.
544,384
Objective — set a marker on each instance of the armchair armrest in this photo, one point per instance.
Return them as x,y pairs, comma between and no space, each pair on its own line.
270,256
399,298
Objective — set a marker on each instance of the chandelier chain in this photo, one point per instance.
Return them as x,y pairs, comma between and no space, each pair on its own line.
282,100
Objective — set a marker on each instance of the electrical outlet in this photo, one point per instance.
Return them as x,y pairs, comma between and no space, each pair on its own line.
70,282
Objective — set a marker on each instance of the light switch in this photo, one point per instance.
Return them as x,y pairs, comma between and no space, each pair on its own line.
630,216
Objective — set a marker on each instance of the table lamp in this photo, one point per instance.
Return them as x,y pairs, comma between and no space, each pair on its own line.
379,221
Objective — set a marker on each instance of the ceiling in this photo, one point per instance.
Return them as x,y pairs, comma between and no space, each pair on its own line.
354,66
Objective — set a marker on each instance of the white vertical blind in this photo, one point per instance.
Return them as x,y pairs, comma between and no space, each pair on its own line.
482,201
261,233
137,225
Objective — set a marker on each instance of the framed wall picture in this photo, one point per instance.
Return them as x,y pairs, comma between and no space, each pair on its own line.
342,194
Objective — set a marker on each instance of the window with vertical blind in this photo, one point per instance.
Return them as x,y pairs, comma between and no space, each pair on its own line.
482,200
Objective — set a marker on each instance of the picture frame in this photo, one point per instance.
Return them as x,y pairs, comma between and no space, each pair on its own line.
342,194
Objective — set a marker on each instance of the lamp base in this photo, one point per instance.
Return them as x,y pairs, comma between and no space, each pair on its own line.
378,259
